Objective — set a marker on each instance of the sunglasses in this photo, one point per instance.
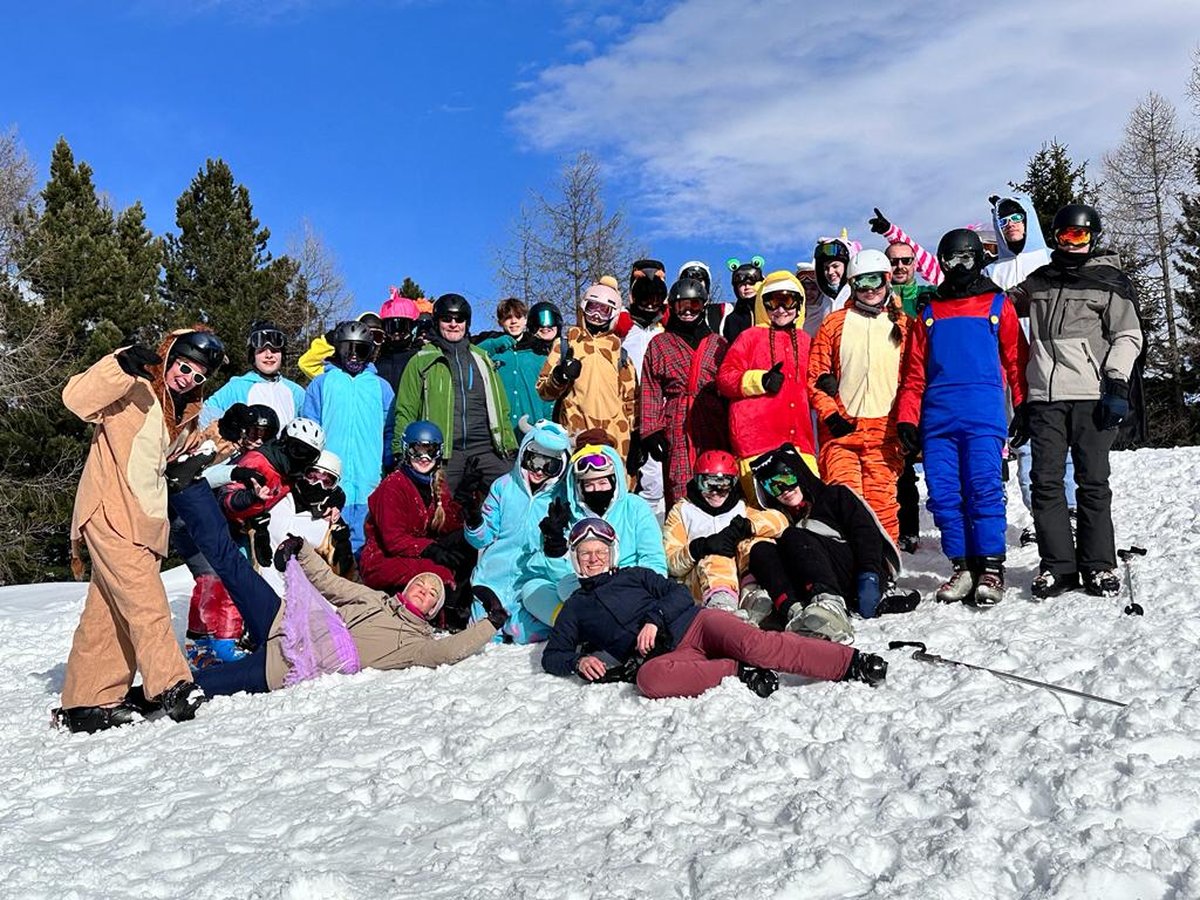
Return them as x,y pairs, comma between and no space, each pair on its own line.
714,484
1074,236
453,317
867,282
781,300
593,462
540,462
198,377
423,450
778,485
271,338
1015,218
319,476
901,261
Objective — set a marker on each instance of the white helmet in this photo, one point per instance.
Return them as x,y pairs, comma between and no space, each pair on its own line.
329,462
306,431
867,261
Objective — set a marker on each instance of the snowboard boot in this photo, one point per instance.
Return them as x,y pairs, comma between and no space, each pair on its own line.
181,700
959,586
763,682
1101,583
989,586
90,719
1051,584
866,667
825,617
756,604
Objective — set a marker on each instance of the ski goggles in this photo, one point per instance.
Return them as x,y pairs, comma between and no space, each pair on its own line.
597,309
778,485
781,300
868,281
398,327
271,338
424,450
257,433
832,250
751,277
593,462
591,530
546,318
963,259
688,304
715,484
198,377
1013,218
378,335
533,461
1073,236
327,480
356,349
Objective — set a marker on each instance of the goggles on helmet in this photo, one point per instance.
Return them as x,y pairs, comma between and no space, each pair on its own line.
533,461
963,259
591,530
593,462
781,300
695,273
778,485
714,484
1073,236
327,480
268,337
868,281
598,309
423,450
690,304
398,326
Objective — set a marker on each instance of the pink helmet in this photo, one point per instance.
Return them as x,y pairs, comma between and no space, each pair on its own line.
399,307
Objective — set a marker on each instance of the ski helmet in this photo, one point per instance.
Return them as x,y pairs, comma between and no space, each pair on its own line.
421,432
873,266
450,306
745,272
1078,215
960,254
593,529
201,347
352,333
329,462
697,271
536,458
266,419
544,315
715,462
829,250
600,298
303,441
265,334
647,268
688,293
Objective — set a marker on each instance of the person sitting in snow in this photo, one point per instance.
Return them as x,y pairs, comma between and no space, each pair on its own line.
632,624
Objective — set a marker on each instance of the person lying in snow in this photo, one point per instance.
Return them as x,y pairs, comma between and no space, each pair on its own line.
634,624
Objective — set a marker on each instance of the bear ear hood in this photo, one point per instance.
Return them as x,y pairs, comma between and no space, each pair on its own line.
780,280
1003,205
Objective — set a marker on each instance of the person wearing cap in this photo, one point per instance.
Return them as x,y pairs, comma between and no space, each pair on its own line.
1085,338
264,382
627,623
853,378
505,529
520,365
312,361
765,375
454,384
832,555
589,375
682,414
145,406
399,316
744,278
512,315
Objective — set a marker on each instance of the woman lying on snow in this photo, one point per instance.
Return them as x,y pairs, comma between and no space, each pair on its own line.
634,624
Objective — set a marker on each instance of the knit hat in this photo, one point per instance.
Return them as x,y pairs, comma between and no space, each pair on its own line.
438,587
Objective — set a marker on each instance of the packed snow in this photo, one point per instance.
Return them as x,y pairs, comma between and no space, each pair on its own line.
491,779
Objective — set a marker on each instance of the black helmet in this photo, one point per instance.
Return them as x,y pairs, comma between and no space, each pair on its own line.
688,289
647,268
1079,215
543,315
264,417
956,243
743,272
449,304
202,347
352,332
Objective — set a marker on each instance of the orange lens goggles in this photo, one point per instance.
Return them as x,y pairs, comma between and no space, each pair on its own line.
1073,236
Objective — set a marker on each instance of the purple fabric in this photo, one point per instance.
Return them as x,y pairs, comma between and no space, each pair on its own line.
315,639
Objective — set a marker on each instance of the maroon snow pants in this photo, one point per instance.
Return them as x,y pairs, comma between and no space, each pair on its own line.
717,641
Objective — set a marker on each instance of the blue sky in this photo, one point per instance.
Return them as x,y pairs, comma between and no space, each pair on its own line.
408,132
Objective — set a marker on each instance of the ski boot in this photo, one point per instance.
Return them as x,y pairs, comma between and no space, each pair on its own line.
1101,583
1051,584
866,667
1028,536
909,543
763,682
824,616
90,719
756,604
181,700
959,586
989,586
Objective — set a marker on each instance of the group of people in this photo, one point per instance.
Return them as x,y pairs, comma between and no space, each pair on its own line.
670,491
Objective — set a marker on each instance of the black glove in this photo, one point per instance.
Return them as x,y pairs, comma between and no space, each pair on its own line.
335,499
260,539
1114,404
657,445
288,547
838,426
910,438
1018,428
701,547
134,360
444,553
994,199
233,424
568,369
828,384
342,561
492,607
251,478
772,380
637,456
554,527
725,542
879,223
466,494
183,471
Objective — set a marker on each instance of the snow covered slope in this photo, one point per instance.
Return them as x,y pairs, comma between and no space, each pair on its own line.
490,779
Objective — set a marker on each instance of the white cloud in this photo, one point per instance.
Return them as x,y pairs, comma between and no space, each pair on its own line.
778,120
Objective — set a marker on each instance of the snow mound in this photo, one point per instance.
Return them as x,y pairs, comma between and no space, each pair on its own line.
490,779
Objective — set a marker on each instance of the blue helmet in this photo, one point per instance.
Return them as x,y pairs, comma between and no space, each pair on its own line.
421,432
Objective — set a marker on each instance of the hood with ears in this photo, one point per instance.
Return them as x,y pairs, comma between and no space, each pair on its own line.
1034,240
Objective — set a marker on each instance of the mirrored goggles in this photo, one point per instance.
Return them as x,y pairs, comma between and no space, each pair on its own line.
781,300
591,530
963,259
831,250
778,485
715,484
356,349
545,318
398,327
598,309
1015,218
688,304
593,462
270,337
423,450
1074,236
325,479
533,461
868,281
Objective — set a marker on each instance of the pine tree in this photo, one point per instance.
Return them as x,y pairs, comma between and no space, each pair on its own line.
1187,296
411,290
1052,180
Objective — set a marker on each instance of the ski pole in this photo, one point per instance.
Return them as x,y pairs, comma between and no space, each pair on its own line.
924,656
1134,608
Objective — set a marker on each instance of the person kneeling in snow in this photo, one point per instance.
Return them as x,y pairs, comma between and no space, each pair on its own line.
622,621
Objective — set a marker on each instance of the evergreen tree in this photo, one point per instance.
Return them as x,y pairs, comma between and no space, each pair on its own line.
412,290
1187,265
1052,180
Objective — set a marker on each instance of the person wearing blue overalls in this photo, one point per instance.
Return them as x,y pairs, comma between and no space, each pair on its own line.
964,347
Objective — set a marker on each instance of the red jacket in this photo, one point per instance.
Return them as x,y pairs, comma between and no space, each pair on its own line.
238,499
758,421
399,522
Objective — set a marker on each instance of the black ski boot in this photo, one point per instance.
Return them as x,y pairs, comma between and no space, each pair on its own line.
1051,584
181,700
763,682
866,667
1101,583
90,719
